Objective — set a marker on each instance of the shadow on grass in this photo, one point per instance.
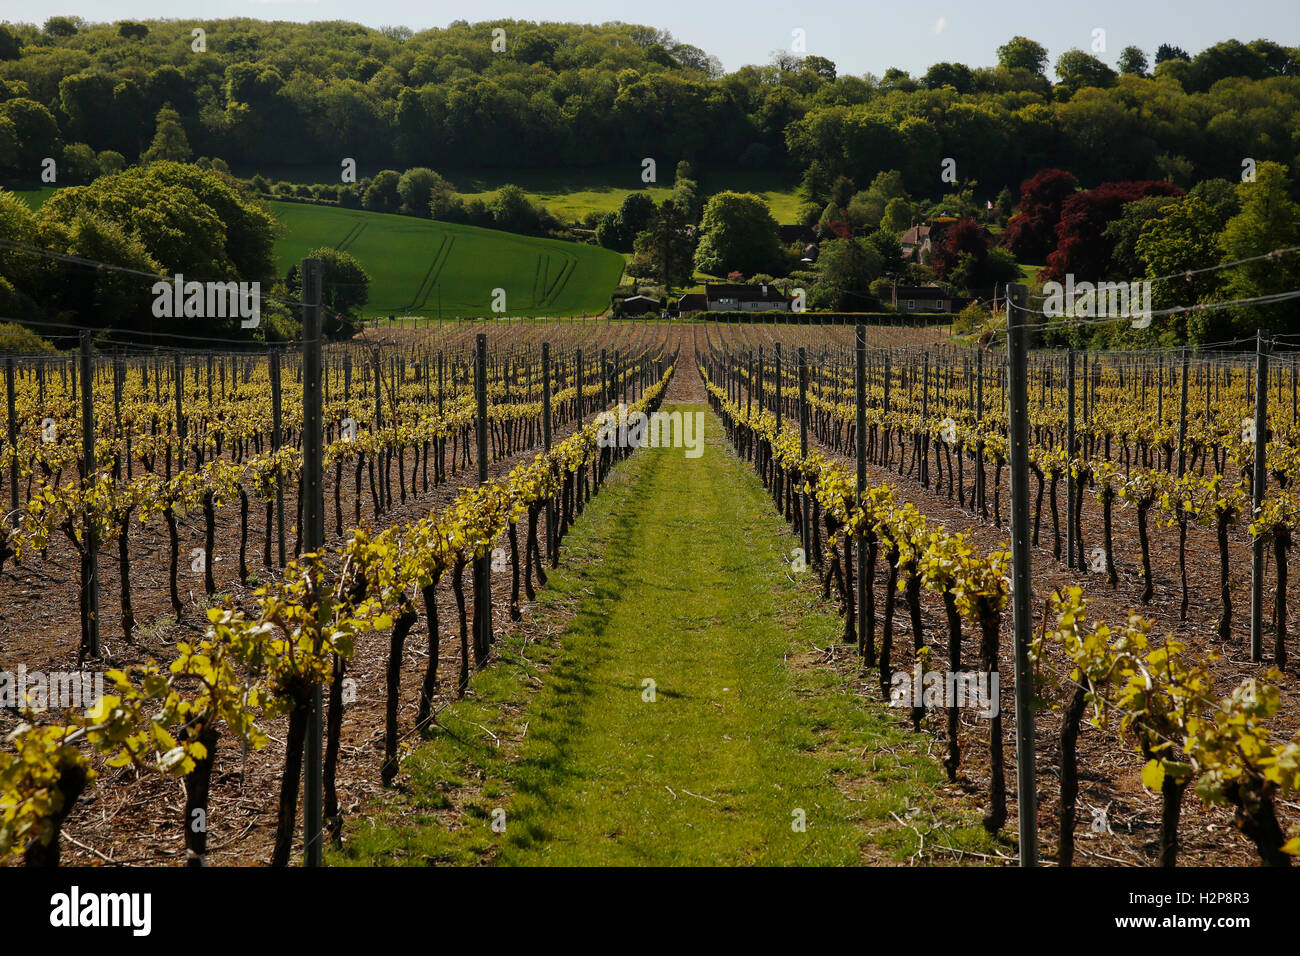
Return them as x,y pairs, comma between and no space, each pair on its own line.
569,686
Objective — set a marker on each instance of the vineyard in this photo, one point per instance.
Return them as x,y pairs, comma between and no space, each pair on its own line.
287,564
1160,585
178,559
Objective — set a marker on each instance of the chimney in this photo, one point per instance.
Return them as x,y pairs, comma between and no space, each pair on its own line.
764,290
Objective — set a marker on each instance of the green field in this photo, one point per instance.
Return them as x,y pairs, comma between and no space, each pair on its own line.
35,197
421,267
572,193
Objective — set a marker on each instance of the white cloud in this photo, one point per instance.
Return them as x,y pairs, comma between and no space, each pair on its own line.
940,24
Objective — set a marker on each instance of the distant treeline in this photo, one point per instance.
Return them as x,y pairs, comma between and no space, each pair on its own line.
263,94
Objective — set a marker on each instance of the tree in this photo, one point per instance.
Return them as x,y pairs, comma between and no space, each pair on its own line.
898,79
1220,197
963,237
609,231
513,211
956,75
738,233
101,298
1184,236
1031,233
898,216
87,100
10,48
1269,219
132,31
415,189
1077,69
169,141
18,224
1132,61
110,162
848,267
80,164
381,194
1227,59
35,131
664,250
619,229
533,46
686,197
1125,232
1082,247
1005,204
444,204
891,252
1021,53
842,191
187,219
816,184
867,208
17,338
820,66
834,221
1175,169
634,213
1166,52
60,28
345,287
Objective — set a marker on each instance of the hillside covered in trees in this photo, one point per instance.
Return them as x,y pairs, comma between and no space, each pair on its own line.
258,94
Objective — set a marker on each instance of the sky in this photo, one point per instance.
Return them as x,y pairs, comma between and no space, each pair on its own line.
859,36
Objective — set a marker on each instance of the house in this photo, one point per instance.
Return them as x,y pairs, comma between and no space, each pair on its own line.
692,302
736,297
638,305
800,234
805,237
916,244
923,298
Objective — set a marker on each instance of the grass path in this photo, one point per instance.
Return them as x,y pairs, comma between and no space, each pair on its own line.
753,750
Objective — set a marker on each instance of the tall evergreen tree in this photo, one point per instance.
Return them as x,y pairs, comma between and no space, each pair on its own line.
169,141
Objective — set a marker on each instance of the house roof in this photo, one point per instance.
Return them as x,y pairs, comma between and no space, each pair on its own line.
640,300
915,236
693,300
920,292
744,293
796,233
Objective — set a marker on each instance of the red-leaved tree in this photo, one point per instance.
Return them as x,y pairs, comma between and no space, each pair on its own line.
964,235
1031,233
1081,246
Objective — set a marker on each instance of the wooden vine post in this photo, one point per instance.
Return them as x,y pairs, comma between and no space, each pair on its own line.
1021,574
483,563
90,547
313,537
1259,480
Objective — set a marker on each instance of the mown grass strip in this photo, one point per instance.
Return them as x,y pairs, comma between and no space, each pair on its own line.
753,750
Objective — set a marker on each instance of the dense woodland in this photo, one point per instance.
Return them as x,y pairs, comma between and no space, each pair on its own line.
569,95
